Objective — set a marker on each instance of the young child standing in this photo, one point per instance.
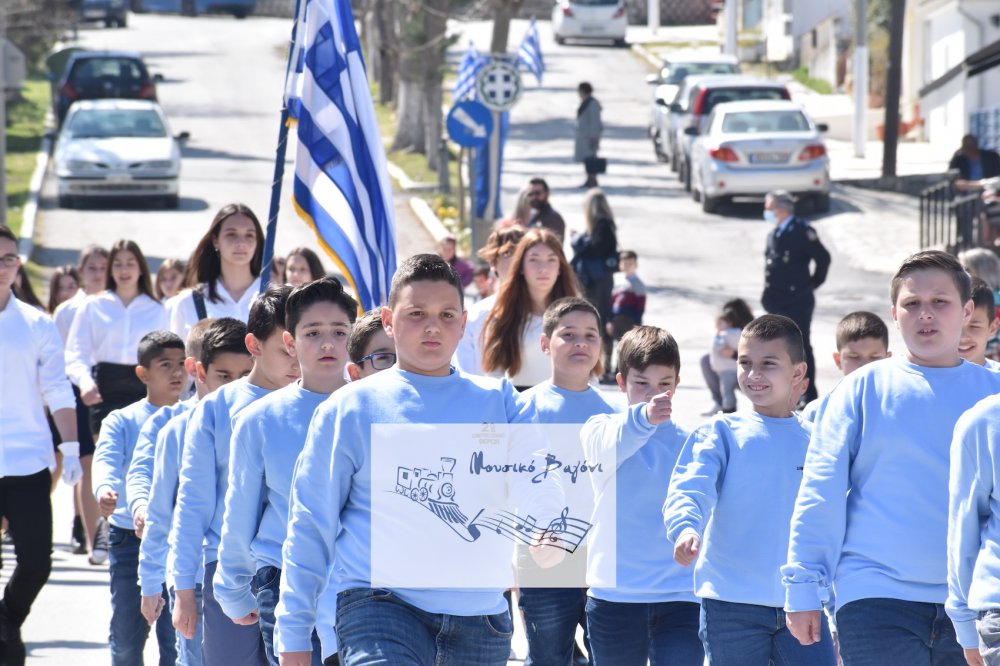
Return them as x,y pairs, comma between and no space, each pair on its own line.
862,337
734,490
718,367
221,358
628,303
650,612
268,437
981,327
161,370
368,347
571,337
871,516
974,533
203,478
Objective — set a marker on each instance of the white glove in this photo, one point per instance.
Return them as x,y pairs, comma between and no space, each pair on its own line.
71,470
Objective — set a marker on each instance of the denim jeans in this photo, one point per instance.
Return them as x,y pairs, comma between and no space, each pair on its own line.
624,634
989,636
722,385
892,631
225,642
129,628
267,583
374,626
550,619
749,635
189,651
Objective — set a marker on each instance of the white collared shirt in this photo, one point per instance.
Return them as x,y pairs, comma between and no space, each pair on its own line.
183,314
105,330
31,365
66,312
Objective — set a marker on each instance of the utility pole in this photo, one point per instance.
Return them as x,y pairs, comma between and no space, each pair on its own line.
893,87
860,77
3,113
653,15
730,43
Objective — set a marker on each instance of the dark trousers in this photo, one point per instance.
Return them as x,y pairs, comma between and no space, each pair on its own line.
801,312
24,502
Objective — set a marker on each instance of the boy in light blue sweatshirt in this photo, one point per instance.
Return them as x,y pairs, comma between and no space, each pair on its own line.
871,517
642,604
331,522
981,327
368,347
734,489
571,337
268,437
204,473
221,357
161,369
974,533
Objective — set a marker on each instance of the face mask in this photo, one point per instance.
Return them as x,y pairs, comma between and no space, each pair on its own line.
770,217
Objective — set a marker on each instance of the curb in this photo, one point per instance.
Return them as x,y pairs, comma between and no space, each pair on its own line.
428,219
26,243
397,174
647,55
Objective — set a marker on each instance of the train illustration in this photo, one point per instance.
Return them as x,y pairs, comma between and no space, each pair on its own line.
435,491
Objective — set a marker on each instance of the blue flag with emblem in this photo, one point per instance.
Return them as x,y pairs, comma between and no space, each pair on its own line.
465,82
341,187
530,53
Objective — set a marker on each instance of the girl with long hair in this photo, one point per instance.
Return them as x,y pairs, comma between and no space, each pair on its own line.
302,266
169,279
538,275
64,284
93,271
223,274
595,260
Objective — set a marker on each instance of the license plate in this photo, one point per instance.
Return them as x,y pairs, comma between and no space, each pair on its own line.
119,178
592,29
768,158
94,13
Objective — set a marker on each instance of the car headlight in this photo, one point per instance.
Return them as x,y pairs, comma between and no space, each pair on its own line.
80,165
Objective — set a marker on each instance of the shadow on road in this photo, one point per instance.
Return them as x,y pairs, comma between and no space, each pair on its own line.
193,152
65,645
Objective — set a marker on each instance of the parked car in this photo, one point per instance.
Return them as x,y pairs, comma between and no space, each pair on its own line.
696,99
238,8
102,75
589,19
674,71
751,148
117,148
109,12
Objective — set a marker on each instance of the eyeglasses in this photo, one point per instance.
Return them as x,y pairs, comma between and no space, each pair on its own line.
380,360
9,260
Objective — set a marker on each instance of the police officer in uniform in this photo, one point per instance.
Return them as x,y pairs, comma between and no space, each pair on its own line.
788,283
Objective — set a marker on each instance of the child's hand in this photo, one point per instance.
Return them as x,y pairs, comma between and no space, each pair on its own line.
250,618
139,521
658,408
972,657
687,548
805,626
185,616
107,502
151,607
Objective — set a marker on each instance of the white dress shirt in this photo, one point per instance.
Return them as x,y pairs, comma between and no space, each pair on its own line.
468,356
105,330
183,314
536,366
31,365
66,311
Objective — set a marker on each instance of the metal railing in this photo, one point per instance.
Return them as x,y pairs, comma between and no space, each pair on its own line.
950,220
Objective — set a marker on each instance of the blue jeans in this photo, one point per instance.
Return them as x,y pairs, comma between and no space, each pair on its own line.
550,619
374,626
624,634
748,635
189,651
892,631
226,643
129,628
267,583
989,636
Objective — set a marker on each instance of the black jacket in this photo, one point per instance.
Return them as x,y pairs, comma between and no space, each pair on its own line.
787,275
989,159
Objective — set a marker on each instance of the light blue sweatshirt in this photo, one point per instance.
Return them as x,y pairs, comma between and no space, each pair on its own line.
268,437
140,470
161,502
871,518
974,519
644,455
204,475
734,486
331,498
113,453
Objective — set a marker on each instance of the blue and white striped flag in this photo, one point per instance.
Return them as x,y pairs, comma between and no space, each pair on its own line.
530,53
465,82
341,188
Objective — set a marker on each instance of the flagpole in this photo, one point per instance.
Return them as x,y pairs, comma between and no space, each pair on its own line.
279,167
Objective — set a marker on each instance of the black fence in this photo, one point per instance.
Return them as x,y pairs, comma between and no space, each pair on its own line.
950,219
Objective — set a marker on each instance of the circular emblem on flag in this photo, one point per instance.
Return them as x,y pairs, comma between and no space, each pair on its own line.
499,85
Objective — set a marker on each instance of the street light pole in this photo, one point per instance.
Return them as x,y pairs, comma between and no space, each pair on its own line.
893,87
730,43
860,77
653,15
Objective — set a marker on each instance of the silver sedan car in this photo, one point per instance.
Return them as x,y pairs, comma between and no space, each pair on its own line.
117,148
750,148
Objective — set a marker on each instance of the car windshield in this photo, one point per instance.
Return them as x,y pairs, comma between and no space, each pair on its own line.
89,69
722,95
104,124
744,122
677,72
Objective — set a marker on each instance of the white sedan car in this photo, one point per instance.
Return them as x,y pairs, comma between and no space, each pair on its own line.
589,19
117,148
750,148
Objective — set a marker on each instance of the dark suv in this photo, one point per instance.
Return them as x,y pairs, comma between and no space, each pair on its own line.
102,75
109,12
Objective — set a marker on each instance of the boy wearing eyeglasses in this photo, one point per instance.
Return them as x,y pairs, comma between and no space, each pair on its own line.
369,348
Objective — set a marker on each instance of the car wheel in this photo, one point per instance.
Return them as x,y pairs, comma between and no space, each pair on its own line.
187,8
821,203
695,194
710,204
240,13
621,43
121,22
560,40
109,23
67,202
172,201
686,177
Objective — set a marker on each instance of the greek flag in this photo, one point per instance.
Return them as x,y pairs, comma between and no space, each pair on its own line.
530,53
341,186
465,82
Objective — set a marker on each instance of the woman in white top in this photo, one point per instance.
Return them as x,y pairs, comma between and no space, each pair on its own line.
223,272
539,274
103,341
93,270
